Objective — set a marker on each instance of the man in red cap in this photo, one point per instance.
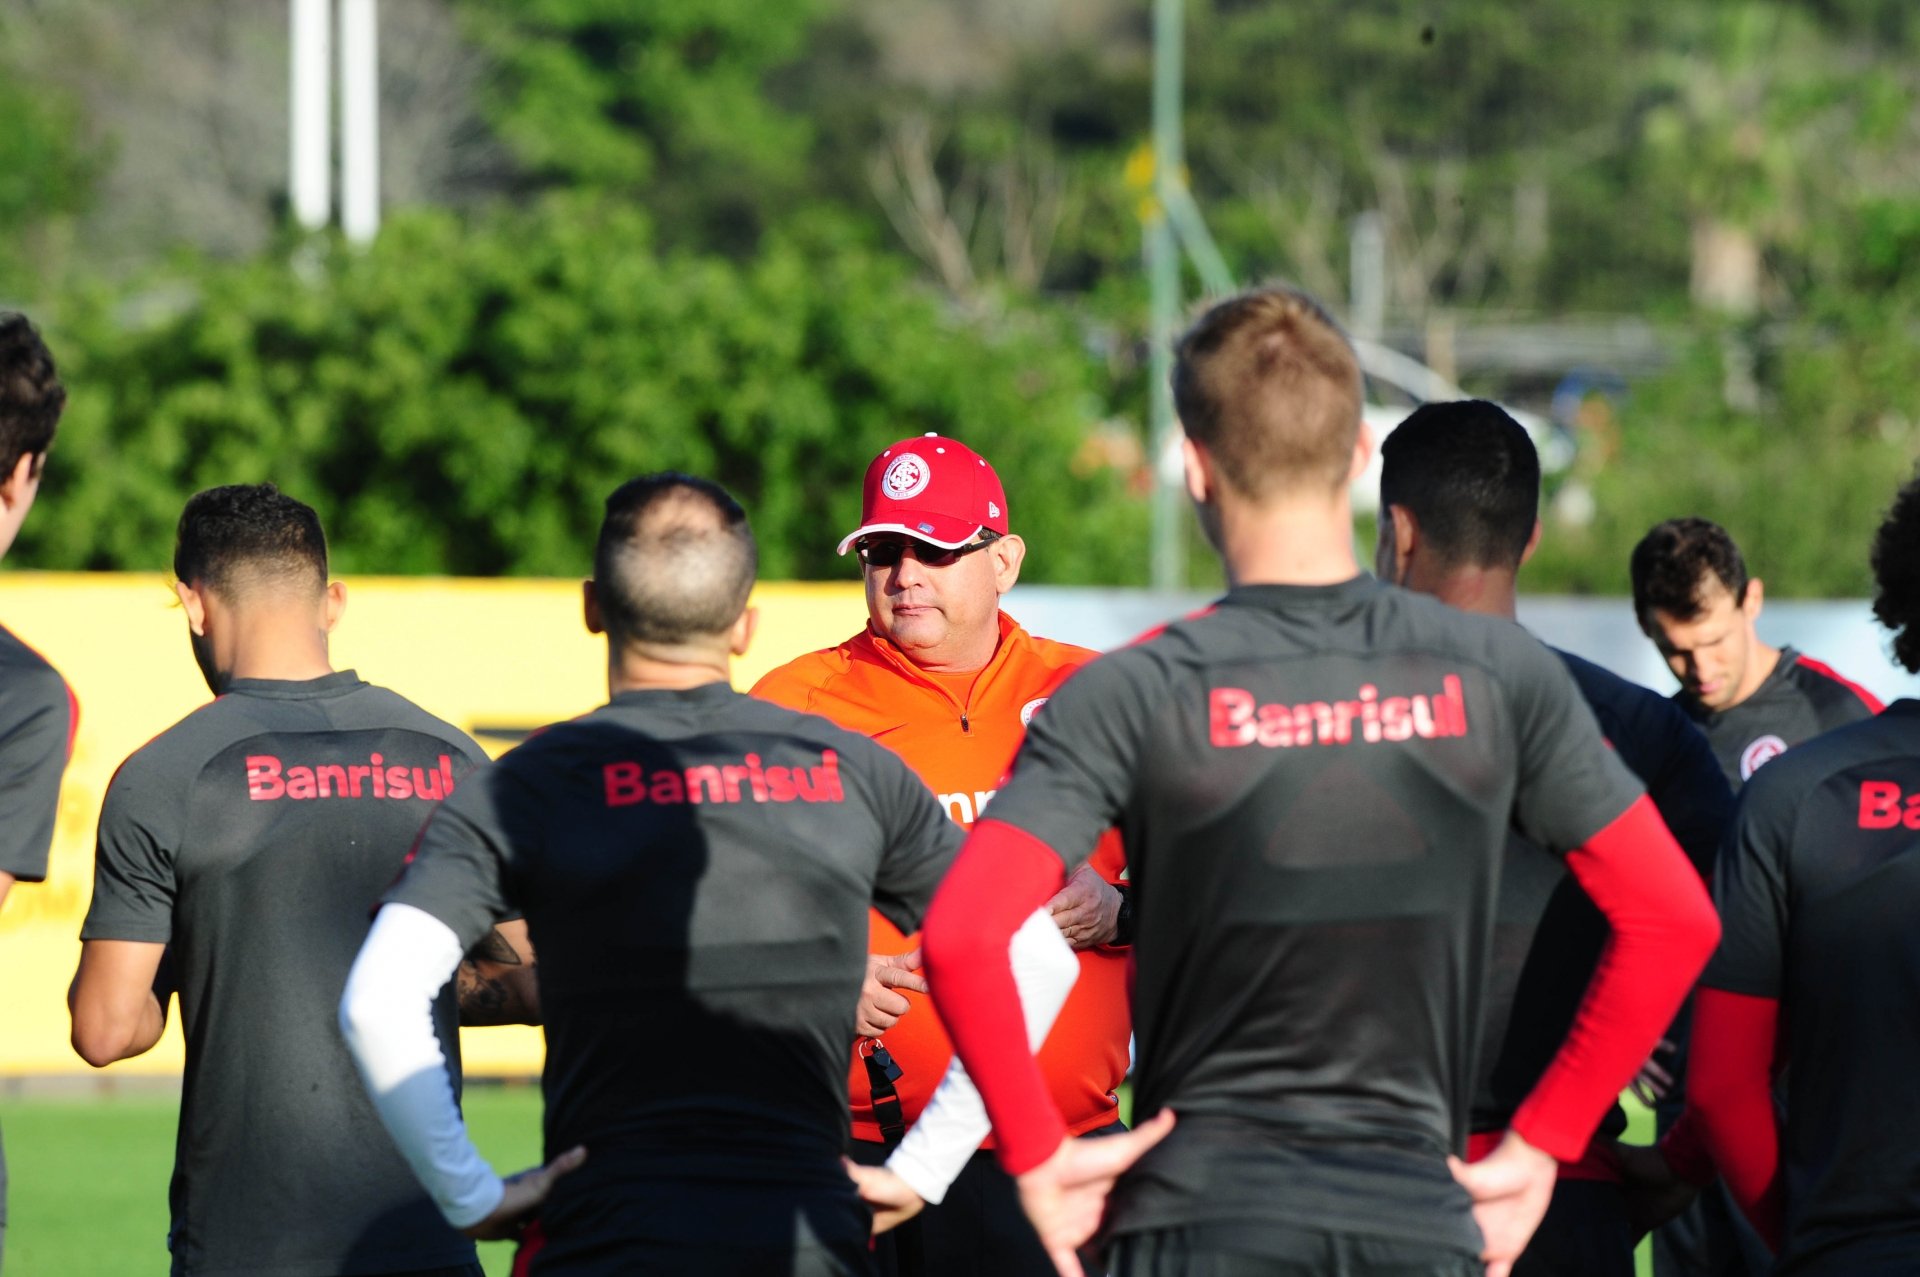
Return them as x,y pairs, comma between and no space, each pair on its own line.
949,681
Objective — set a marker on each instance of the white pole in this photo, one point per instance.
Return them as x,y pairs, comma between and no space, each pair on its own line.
359,119
309,176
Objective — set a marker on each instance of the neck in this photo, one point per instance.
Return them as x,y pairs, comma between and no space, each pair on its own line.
1489,591
968,656
1760,666
1290,541
279,644
671,667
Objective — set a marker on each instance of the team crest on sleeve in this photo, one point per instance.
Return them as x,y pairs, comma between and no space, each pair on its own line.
1760,750
1027,711
907,477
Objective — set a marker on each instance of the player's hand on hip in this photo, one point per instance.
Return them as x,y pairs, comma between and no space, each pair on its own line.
526,1192
1510,1189
1065,1196
1087,909
1654,1082
893,1203
881,1003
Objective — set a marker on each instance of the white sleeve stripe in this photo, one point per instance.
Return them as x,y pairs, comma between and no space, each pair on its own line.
955,1120
386,1014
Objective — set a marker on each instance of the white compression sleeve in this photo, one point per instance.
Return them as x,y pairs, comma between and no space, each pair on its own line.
386,1014
954,1122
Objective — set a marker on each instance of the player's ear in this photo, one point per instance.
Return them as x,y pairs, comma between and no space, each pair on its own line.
741,637
336,603
1406,535
1533,542
193,605
590,608
1199,470
1756,596
15,482
1362,451
1008,553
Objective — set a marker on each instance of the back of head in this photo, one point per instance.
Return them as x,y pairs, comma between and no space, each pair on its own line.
675,561
31,395
1268,384
1469,475
1675,563
1896,574
245,539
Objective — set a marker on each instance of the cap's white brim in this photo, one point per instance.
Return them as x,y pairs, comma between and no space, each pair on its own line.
847,543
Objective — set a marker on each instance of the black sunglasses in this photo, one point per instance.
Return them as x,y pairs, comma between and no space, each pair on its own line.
886,550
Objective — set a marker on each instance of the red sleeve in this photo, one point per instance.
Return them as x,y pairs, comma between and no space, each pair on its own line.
1002,875
1730,1097
1664,930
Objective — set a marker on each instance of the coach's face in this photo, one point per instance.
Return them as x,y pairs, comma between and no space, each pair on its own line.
943,610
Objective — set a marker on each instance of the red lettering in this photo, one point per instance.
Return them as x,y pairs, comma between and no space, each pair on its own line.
263,778
1396,718
446,776
625,784
300,783
734,776
668,788
704,785
399,784
1276,726
379,776
421,789
1879,804
780,784
1450,708
336,775
1912,820
757,777
830,764
1230,717
356,776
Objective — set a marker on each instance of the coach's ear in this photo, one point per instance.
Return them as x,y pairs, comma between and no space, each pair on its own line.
741,636
590,607
1362,451
1533,543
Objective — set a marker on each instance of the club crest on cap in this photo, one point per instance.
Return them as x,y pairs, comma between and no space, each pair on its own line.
907,477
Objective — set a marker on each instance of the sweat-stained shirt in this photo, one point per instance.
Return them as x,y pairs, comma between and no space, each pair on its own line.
961,742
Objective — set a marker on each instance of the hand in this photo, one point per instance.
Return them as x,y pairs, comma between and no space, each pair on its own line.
1655,1194
525,1194
1510,1188
1087,910
880,1007
893,1202
1064,1196
1654,1081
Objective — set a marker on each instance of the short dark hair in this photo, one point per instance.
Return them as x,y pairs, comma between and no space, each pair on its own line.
1896,574
1469,475
675,560
1671,565
245,535
31,395
1269,385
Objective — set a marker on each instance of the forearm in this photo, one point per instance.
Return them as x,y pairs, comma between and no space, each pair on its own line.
386,1014
1663,931
493,995
118,1000
955,1120
1730,1099
1001,876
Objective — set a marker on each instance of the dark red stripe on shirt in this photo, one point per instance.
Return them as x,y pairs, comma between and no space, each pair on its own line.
1821,668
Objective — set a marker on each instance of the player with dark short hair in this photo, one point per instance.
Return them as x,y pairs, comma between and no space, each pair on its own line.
38,712
1695,599
240,854
1314,779
695,867
1459,514
1818,888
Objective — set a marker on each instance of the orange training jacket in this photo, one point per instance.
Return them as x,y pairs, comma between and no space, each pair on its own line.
962,751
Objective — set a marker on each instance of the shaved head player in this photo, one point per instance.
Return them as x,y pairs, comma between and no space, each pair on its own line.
1314,779
695,867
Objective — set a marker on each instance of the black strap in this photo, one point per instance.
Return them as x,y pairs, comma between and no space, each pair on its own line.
882,1072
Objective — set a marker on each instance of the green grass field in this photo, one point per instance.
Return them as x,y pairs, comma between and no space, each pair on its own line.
88,1194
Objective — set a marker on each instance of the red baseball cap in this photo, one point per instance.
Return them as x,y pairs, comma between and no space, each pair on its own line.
933,488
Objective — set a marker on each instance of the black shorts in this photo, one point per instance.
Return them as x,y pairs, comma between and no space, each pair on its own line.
1586,1233
1274,1250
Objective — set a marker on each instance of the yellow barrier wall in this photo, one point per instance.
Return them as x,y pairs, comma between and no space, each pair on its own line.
501,655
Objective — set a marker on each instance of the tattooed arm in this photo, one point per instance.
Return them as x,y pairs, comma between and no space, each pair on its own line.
496,980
